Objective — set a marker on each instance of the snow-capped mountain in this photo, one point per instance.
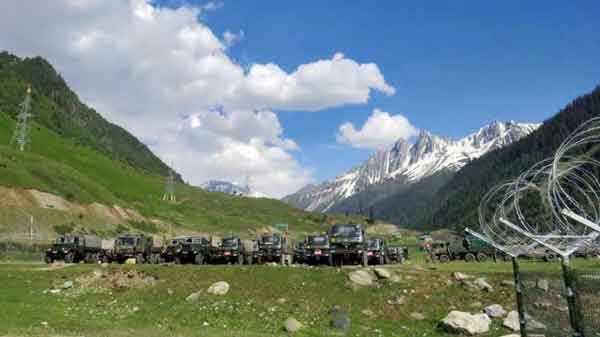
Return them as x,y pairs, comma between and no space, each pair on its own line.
225,187
409,162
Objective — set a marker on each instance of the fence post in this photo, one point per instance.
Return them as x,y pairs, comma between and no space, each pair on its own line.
520,301
572,300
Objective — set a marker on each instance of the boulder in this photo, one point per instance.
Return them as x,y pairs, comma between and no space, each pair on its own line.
495,311
67,285
193,297
219,288
465,323
482,284
361,277
542,284
292,325
512,321
461,276
382,273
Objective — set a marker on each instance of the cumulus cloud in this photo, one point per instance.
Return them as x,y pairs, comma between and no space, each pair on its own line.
149,68
379,131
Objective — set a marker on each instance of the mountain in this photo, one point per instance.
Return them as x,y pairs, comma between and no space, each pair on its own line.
389,171
61,111
83,173
455,204
225,187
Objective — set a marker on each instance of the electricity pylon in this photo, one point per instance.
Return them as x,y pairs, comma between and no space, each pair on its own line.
170,187
21,135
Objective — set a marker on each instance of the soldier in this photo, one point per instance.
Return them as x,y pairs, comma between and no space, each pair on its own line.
429,251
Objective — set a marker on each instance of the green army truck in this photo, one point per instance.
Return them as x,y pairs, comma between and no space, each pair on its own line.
74,248
469,249
377,251
317,249
230,250
348,244
192,249
275,247
140,247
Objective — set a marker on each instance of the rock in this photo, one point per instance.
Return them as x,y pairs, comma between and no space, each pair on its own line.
533,325
507,283
482,284
170,291
193,297
395,279
382,273
281,301
104,265
368,312
512,321
542,284
67,285
292,325
465,323
417,316
220,288
397,300
461,276
55,291
495,311
339,318
361,277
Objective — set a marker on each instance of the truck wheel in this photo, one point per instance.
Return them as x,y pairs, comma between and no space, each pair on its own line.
481,257
140,259
444,258
365,259
199,259
469,257
69,258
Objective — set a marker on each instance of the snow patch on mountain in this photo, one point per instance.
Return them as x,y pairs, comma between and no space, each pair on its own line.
409,163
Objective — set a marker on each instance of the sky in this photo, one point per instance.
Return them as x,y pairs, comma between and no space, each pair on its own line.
290,93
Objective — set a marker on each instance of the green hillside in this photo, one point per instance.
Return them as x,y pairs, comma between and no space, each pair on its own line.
62,165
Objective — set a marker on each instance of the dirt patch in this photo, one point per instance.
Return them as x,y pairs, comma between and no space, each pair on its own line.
115,280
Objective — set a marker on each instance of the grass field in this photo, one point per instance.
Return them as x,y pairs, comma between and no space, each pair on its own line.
150,300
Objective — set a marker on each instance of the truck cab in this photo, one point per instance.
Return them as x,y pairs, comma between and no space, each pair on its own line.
192,249
274,248
376,251
348,243
317,249
230,250
133,246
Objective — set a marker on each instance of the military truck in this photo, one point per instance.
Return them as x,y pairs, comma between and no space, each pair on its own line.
275,247
74,248
348,244
169,253
135,246
377,251
300,252
192,249
317,249
250,251
469,249
230,250
396,254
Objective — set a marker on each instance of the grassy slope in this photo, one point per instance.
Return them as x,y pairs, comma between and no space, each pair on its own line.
59,166
250,308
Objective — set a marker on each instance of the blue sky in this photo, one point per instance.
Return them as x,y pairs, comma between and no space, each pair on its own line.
223,89
456,65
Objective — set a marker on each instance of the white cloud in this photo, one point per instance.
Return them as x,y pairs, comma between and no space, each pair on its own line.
379,131
147,68
213,5
230,38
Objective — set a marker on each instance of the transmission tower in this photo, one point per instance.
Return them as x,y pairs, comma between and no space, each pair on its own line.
20,136
170,187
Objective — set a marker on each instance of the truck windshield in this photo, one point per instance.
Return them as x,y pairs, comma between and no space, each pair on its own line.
317,240
373,244
67,239
271,239
345,230
126,241
231,242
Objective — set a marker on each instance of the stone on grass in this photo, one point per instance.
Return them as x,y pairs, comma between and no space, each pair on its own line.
382,273
417,316
368,312
465,323
219,288
361,277
495,311
193,297
543,284
67,285
292,325
461,276
507,283
512,321
482,284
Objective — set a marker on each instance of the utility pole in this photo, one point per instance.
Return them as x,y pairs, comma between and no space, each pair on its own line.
169,195
20,136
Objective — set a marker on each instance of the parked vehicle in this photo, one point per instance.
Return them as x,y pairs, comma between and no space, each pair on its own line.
250,251
396,254
317,249
140,247
275,247
74,248
376,251
192,249
231,250
470,249
348,244
170,252
300,252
